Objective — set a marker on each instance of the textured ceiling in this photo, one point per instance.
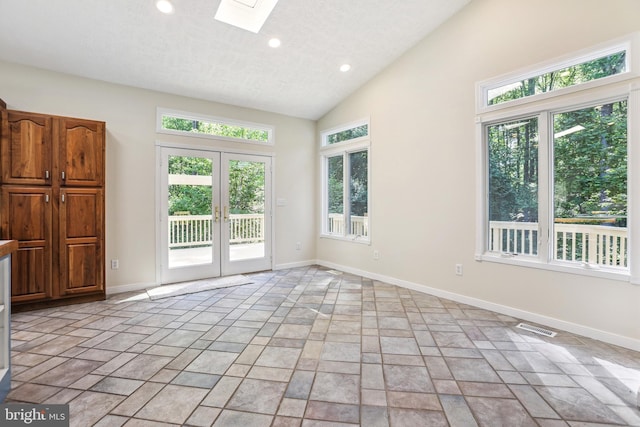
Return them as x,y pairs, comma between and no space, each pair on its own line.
189,53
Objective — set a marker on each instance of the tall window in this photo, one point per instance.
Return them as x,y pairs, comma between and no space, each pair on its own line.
513,186
590,185
555,171
345,178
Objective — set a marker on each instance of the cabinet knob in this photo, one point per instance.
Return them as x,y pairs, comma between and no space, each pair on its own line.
62,197
46,198
63,176
46,174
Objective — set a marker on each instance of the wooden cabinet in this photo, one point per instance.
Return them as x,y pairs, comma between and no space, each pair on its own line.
81,247
52,203
26,217
81,153
26,148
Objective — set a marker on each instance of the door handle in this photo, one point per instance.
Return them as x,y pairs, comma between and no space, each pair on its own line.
226,213
217,214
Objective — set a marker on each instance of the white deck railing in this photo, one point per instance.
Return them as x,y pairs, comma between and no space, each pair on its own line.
246,228
196,230
592,244
359,225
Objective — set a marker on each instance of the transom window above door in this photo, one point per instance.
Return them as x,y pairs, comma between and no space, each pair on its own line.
192,124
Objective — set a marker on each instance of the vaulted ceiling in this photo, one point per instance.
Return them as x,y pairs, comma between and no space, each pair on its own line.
190,53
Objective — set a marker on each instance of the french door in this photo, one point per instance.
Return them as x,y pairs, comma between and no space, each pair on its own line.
215,214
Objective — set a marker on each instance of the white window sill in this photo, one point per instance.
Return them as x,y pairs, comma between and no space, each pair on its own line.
354,239
563,267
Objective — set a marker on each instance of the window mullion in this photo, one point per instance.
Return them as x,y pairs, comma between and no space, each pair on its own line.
482,193
347,194
633,162
545,189
324,228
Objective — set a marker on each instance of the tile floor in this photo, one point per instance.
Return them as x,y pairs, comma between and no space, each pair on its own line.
313,347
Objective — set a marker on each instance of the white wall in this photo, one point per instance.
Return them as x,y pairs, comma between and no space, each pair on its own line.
423,164
130,116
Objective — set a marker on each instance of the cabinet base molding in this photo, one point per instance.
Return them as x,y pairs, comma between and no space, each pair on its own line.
30,306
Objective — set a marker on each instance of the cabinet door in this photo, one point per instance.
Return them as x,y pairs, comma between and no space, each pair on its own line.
81,152
81,248
26,217
25,148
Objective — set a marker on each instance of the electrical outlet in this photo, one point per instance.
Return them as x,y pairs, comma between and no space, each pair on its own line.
298,246
376,255
115,264
458,269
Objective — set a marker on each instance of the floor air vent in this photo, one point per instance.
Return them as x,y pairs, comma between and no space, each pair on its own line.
537,330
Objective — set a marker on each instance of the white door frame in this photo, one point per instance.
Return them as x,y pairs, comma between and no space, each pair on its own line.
224,268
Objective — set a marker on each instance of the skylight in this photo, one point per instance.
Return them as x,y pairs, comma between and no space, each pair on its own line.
249,15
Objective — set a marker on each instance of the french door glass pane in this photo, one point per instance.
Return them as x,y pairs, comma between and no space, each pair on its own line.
190,211
246,210
335,198
590,185
513,187
358,188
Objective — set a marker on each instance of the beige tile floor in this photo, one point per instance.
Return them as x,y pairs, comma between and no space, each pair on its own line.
313,347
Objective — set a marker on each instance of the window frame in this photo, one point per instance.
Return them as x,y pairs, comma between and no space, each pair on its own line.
344,148
324,135
629,44
544,108
162,112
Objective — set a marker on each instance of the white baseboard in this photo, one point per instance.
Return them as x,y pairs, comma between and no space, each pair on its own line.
295,264
111,290
575,328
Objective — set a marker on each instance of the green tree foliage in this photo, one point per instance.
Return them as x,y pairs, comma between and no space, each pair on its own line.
336,184
348,134
246,187
359,185
513,175
591,163
176,123
218,129
589,152
570,76
192,199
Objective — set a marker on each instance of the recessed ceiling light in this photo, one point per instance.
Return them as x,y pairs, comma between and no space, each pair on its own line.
164,6
345,67
274,42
